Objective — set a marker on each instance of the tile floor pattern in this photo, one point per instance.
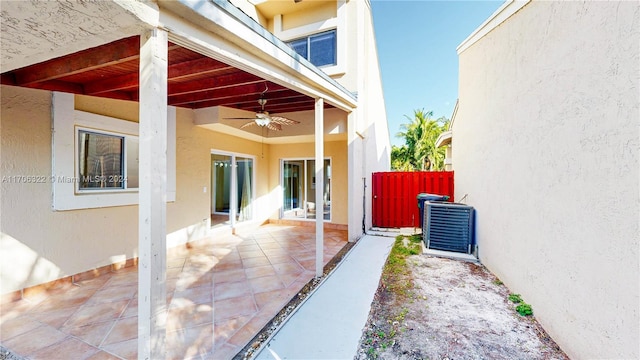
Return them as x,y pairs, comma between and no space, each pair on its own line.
221,291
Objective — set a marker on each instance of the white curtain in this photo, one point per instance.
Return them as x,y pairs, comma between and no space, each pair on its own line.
245,197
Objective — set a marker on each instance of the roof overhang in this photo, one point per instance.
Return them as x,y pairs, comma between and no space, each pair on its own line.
444,139
218,56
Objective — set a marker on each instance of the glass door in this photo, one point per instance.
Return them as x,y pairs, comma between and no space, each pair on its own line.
221,184
292,185
244,176
232,189
299,190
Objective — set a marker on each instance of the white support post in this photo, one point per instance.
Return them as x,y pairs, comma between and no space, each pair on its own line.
233,209
319,138
152,299
354,197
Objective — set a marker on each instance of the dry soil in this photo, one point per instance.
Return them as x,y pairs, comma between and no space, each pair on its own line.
455,310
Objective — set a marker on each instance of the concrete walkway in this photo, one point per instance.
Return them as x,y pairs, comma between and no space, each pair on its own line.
329,324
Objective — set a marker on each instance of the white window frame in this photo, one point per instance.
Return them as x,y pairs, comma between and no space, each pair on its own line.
308,44
305,159
125,160
64,156
338,23
234,189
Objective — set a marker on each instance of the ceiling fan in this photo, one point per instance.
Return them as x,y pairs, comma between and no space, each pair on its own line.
263,119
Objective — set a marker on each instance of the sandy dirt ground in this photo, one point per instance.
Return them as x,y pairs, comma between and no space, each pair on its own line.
455,310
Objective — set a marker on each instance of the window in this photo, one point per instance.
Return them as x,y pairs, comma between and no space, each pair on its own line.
319,49
299,189
95,158
232,184
107,161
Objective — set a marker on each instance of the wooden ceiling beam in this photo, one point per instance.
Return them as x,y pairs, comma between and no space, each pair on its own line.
182,70
222,81
271,103
57,85
114,53
122,82
110,54
287,106
226,94
7,79
196,67
121,95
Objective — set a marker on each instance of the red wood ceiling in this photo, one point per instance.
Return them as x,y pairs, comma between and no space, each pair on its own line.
194,81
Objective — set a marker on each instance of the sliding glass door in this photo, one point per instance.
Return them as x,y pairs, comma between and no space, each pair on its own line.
299,190
232,184
244,175
221,184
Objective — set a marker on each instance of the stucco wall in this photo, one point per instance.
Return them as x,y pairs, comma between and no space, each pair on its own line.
373,116
37,244
336,150
40,245
545,146
320,12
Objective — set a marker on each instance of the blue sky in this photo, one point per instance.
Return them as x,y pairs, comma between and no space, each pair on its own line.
417,43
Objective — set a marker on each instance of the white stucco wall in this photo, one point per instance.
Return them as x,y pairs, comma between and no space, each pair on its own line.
372,116
546,148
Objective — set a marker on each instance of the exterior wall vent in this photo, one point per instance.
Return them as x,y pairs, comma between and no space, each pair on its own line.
449,227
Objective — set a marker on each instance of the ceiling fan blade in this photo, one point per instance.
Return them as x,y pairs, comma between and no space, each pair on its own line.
274,126
240,118
283,121
251,123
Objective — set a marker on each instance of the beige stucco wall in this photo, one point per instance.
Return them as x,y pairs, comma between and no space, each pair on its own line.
337,152
40,245
322,11
546,149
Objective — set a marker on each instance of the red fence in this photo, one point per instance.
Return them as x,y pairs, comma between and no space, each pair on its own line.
394,195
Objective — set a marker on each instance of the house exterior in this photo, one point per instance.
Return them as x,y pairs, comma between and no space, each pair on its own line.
118,142
545,147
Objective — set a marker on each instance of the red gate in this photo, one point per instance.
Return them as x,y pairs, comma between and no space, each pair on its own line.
394,195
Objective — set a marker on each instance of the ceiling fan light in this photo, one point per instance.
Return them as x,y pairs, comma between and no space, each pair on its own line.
262,121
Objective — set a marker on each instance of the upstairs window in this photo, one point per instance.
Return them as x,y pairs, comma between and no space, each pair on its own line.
319,49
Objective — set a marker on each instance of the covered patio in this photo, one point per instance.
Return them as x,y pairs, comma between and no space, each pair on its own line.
210,61
221,291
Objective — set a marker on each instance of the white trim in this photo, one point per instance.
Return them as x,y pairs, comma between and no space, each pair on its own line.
444,139
64,174
338,23
343,33
453,115
152,194
505,11
171,153
125,159
277,25
309,29
319,171
266,62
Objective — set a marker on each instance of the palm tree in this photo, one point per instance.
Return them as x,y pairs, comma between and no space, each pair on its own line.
420,134
401,159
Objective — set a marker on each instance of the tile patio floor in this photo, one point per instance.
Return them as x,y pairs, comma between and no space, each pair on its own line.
255,275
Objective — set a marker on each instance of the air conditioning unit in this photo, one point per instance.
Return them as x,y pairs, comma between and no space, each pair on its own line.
449,227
